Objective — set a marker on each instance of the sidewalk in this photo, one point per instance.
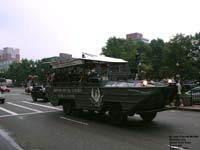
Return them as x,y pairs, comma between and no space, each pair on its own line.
190,108
7,143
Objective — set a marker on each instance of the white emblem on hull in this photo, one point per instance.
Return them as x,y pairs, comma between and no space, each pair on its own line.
96,97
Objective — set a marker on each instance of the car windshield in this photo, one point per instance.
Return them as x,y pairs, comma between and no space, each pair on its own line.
196,88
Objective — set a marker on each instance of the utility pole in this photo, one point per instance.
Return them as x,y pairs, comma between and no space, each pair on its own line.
138,64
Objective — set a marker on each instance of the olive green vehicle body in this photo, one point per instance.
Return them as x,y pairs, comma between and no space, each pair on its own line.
110,91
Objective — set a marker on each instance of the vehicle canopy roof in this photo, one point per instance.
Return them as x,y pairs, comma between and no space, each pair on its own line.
93,58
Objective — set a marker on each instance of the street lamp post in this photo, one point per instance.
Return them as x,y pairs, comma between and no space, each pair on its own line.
138,63
177,70
33,66
139,70
33,72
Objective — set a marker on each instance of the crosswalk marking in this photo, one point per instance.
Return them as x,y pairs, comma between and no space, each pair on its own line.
41,105
31,113
24,107
35,111
8,111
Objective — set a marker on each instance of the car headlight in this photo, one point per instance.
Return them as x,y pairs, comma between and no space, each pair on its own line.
169,81
144,83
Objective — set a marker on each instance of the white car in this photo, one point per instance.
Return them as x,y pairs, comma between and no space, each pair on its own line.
195,94
2,99
195,91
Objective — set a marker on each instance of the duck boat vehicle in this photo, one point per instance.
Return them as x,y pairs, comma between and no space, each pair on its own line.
104,84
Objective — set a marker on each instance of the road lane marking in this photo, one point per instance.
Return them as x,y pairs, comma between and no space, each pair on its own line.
41,105
9,94
79,122
10,140
23,107
8,111
178,148
31,113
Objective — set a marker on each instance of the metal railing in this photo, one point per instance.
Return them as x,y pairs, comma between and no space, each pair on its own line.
195,96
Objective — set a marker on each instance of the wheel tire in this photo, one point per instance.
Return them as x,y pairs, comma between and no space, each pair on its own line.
46,100
148,117
116,115
35,99
67,108
91,111
77,112
2,101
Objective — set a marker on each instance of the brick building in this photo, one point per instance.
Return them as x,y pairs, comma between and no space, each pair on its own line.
7,56
136,36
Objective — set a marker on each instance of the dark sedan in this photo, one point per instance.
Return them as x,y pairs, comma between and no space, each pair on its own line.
38,92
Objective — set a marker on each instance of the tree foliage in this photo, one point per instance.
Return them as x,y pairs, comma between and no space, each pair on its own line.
125,49
19,72
159,59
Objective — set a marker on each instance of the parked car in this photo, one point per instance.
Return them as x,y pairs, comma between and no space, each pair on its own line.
38,92
28,89
194,91
194,94
4,89
2,99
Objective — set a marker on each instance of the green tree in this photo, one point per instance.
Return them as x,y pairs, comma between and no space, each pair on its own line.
177,59
125,49
18,72
181,55
153,58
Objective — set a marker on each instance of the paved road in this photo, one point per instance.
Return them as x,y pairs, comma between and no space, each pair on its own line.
25,125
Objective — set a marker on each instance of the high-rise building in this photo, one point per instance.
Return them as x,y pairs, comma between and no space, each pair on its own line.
136,36
7,56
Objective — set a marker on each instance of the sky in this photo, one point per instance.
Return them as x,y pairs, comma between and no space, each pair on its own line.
45,28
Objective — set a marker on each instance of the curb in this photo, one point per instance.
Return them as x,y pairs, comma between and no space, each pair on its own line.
7,142
188,109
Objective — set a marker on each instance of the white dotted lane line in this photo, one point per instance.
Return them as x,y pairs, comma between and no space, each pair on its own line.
72,120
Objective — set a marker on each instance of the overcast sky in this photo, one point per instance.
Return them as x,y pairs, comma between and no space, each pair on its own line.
45,28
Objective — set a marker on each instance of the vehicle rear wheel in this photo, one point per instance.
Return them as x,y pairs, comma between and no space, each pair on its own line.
116,115
35,99
148,117
2,101
46,100
67,108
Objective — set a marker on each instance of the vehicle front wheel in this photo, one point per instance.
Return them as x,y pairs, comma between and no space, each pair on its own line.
116,115
2,101
148,117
